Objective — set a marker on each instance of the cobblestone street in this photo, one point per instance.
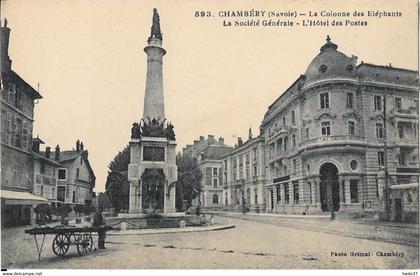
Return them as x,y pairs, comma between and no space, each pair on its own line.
257,242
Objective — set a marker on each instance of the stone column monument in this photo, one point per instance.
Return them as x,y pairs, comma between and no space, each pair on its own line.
152,171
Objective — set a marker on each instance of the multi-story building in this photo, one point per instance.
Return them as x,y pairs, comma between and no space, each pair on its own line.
45,172
208,154
244,176
17,117
324,137
76,178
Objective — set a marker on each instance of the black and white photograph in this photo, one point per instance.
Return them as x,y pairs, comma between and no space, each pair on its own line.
142,135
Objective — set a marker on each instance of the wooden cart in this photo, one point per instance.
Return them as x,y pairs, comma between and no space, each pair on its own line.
66,236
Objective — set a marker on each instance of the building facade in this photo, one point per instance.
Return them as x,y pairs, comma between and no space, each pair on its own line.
324,137
45,176
208,154
30,177
17,116
244,176
75,177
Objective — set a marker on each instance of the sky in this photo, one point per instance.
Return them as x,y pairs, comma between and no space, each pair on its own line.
88,59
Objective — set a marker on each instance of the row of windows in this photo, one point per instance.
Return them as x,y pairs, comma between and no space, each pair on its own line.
16,98
281,143
286,198
324,102
240,160
377,101
62,174
354,193
276,126
236,199
62,193
241,173
15,131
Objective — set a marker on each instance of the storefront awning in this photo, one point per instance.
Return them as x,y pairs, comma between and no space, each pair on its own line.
21,198
405,186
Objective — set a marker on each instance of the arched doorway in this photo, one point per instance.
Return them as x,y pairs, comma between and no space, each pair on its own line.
330,191
153,181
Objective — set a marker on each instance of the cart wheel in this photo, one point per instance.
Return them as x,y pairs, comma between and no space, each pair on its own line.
60,244
84,244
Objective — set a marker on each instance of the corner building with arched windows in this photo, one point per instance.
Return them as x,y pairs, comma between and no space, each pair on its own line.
324,139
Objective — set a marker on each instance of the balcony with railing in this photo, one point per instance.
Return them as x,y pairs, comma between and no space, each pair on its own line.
407,113
333,139
405,142
408,169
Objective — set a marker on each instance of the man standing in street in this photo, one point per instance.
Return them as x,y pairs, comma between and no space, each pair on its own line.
99,221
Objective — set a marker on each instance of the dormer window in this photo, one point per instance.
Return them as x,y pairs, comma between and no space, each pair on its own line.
349,68
323,68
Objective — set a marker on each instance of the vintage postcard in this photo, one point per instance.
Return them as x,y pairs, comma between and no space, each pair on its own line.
209,135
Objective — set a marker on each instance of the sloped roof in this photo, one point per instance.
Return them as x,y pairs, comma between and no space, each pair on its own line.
42,157
214,152
65,155
15,78
387,74
69,155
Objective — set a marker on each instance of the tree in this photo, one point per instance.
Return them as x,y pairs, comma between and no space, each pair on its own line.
189,179
117,190
103,201
117,187
121,160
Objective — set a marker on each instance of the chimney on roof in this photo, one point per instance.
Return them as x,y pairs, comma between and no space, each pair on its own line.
201,138
6,62
210,139
35,144
240,142
77,145
221,140
57,153
48,152
81,146
250,133
196,142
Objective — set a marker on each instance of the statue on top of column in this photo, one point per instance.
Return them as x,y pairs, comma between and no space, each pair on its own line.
156,26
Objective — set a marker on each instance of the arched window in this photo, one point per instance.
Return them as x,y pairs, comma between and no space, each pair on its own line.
215,199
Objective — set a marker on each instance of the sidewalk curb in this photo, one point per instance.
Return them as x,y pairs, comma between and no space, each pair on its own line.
270,215
170,230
